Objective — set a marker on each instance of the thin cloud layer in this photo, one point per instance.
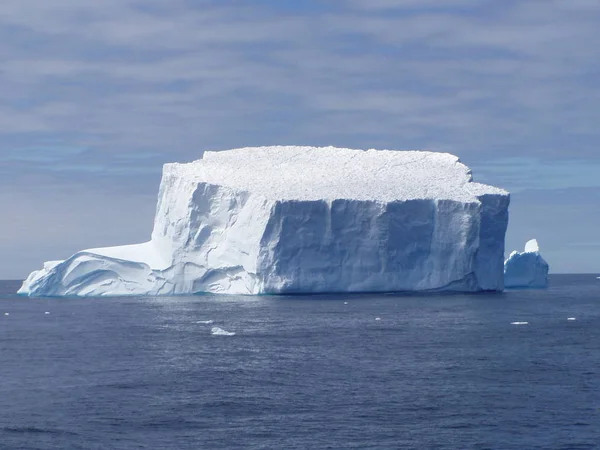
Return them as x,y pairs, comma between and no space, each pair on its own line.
477,78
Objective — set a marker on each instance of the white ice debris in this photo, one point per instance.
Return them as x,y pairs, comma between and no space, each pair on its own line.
216,331
527,269
519,323
303,220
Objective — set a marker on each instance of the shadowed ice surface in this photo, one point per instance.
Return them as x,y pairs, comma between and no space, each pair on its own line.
435,371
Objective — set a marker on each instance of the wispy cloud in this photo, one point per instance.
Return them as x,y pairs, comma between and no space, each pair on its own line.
518,174
478,77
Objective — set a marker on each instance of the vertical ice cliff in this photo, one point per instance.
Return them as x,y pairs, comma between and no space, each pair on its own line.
527,269
302,220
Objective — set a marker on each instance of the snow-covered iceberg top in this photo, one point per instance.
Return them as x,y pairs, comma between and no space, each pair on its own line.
303,219
311,173
527,269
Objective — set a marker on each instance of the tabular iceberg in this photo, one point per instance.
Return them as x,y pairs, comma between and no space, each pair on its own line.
527,269
303,220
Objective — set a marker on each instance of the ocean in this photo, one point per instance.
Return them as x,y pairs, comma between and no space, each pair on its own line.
304,372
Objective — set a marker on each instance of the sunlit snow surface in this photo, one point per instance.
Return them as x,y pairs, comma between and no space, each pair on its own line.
303,220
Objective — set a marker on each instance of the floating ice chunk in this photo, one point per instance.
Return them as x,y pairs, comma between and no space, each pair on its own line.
519,323
47,312
345,303
290,219
6,314
205,322
377,318
527,269
216,331
571,318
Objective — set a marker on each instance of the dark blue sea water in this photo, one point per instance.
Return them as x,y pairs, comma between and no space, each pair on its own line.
435,372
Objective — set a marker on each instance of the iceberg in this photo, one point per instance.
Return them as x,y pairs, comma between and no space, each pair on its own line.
289,219
527,269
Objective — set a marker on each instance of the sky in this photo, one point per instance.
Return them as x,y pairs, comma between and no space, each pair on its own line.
98,95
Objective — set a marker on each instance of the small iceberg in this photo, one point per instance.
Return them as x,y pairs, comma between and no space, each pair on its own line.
519,323
527,269
205,322
571,318
216,331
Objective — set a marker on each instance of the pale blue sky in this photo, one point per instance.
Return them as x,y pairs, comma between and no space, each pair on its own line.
97,95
